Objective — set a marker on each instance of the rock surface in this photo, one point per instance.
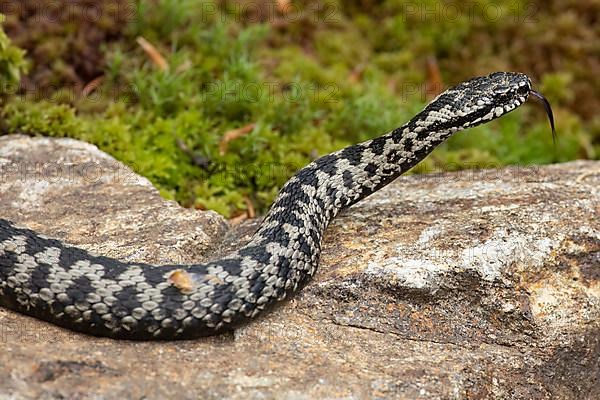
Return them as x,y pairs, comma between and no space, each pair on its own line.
478,284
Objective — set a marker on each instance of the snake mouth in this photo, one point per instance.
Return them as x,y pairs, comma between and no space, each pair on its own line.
548,109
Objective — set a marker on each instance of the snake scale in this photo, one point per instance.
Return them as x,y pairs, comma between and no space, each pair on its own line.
72,288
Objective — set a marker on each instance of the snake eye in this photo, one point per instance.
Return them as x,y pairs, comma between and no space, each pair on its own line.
522,90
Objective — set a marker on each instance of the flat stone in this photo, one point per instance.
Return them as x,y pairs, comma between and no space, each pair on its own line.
475,284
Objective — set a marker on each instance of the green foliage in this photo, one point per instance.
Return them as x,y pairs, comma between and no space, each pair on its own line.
12,63
41,118
312,85
64,40
557,87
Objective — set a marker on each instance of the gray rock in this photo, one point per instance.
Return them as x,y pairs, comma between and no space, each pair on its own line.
477,284
72,191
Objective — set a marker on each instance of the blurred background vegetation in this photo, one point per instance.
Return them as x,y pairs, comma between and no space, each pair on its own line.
218,103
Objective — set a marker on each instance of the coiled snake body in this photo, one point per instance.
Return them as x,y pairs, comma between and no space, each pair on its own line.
70,287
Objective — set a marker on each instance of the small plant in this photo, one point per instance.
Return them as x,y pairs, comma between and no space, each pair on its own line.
12,63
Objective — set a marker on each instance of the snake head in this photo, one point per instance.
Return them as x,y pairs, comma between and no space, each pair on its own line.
480,100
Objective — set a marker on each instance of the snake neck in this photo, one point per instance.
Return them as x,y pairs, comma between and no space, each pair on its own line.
310,200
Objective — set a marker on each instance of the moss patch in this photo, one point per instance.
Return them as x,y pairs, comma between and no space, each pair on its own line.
254,92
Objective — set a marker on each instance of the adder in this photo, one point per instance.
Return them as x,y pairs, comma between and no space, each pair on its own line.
53,281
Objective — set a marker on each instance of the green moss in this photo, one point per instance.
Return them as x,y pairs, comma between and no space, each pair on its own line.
41,118
12,63
557,87
308,85
64,39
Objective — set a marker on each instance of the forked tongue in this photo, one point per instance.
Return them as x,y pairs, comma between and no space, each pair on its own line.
546,104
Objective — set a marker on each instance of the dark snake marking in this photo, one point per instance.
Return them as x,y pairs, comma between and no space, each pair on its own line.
67,286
